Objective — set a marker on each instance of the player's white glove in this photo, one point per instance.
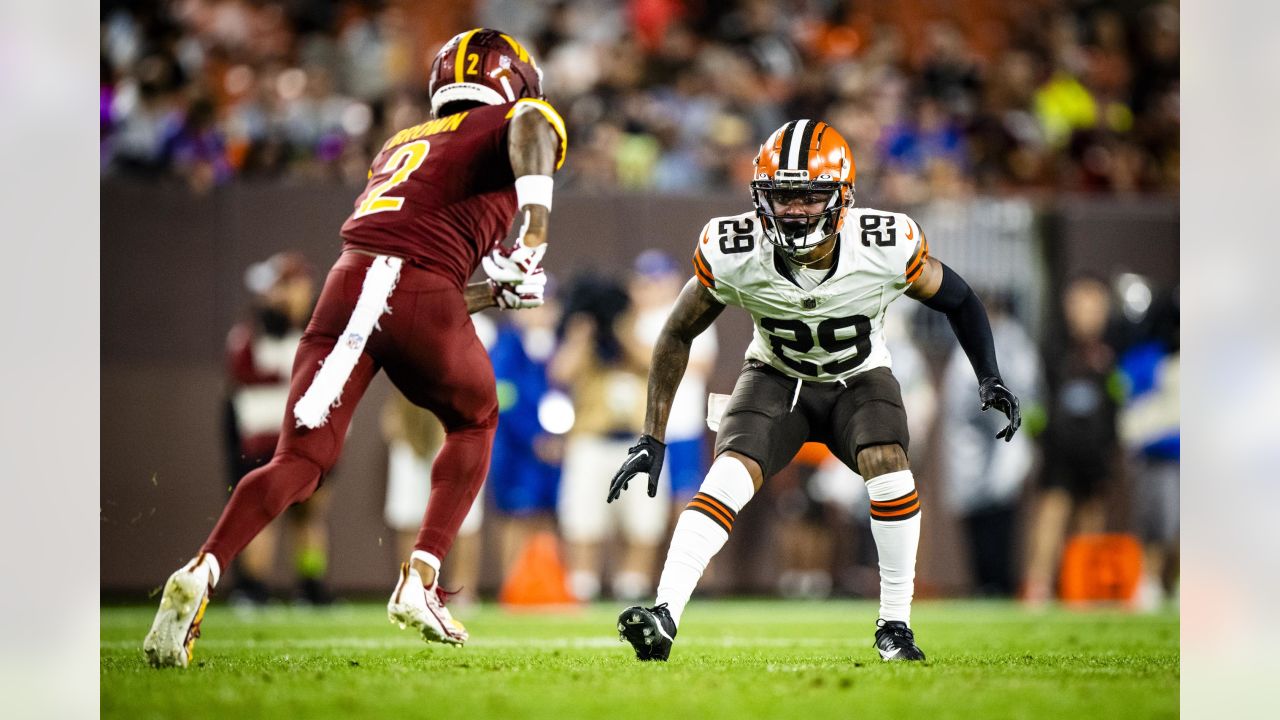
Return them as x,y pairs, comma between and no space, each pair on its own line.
512,265
521,295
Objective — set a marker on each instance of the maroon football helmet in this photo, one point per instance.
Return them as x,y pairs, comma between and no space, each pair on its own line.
484,66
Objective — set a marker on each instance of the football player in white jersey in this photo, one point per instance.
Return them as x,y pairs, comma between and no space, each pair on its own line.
816,274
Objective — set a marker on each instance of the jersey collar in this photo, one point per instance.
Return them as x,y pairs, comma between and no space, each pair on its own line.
784,269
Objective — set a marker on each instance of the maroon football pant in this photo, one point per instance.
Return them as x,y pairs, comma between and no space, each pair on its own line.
428,347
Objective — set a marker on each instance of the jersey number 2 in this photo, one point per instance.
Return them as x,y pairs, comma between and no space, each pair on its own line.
401,165
801,341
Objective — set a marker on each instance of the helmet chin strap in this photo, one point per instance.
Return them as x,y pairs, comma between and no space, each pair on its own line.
795,257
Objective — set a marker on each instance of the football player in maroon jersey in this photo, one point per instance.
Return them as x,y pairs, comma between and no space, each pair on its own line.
440,199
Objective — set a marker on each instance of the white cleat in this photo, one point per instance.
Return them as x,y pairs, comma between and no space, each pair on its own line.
177,624
421,608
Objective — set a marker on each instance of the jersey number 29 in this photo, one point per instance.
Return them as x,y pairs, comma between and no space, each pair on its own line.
735,236
801,341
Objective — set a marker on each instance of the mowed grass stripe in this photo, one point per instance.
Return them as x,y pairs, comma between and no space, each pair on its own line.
763,613
483,642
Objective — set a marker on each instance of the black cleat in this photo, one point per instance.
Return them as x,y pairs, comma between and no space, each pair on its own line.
249,592
895,641
312,591
650,631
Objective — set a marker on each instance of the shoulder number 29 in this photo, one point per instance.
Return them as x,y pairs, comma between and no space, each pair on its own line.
879,229
735,236
401,165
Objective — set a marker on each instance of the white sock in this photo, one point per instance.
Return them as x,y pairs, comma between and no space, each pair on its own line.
210,564
432,562
895,524
702,530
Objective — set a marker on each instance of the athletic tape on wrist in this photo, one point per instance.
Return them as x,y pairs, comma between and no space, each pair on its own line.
534,190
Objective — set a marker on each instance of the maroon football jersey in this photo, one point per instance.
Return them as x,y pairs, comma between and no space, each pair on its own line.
440,194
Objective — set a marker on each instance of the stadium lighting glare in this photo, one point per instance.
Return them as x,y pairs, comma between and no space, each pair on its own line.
555,413
1135,295
356,119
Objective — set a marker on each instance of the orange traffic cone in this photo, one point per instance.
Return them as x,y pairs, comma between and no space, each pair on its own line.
1100,567
538,576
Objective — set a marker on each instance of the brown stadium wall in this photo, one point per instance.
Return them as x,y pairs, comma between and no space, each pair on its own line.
172,266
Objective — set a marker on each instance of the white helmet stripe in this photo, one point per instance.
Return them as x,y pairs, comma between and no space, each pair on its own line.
786,131
793,153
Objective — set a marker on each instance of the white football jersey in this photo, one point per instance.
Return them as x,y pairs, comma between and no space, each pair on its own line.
835,330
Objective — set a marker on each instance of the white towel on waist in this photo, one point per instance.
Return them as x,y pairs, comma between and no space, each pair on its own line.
325,392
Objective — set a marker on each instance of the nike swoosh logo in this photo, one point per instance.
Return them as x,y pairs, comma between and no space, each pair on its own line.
642,453
889,656
911,232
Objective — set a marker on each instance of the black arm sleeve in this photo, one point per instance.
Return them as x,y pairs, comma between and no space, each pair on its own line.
969,322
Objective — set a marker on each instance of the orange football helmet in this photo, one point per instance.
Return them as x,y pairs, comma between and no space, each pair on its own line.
483,66
807,159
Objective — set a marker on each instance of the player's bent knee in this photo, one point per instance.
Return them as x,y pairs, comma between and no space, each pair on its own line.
490,420
878,460
321,456
482,423
478,417
289,478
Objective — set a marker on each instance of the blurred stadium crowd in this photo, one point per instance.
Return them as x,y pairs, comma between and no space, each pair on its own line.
668,95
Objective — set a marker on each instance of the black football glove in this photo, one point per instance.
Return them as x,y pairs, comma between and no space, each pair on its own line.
646,456
993,393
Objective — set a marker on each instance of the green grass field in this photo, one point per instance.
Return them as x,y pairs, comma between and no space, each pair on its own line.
737,659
